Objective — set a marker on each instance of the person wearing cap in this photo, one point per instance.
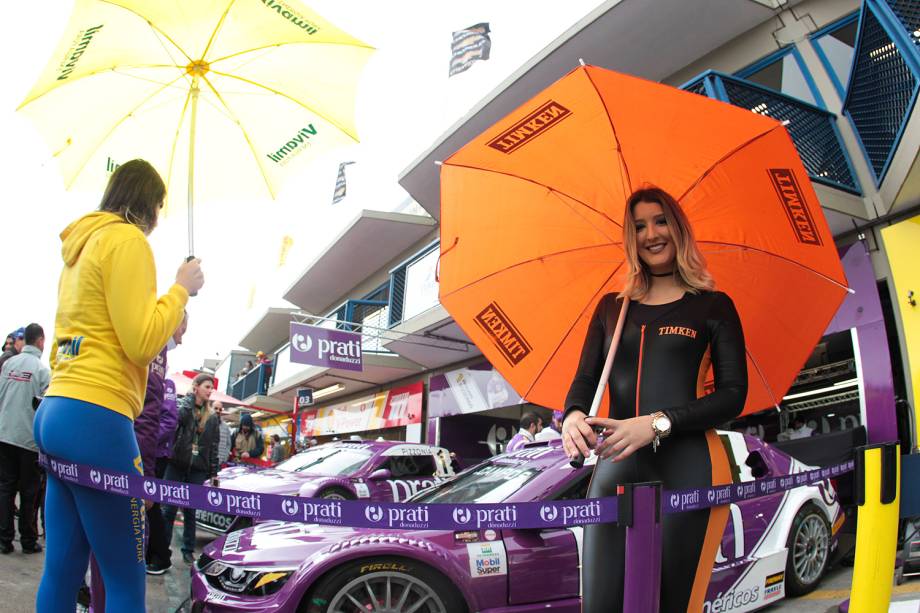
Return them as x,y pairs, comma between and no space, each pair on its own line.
553,431
18,338
247,442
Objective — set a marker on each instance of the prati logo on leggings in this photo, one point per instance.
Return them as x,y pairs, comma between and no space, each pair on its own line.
65,470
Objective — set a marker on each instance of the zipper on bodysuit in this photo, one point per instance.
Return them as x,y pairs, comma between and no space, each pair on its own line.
639,375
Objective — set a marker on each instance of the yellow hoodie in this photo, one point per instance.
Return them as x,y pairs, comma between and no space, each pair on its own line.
110,324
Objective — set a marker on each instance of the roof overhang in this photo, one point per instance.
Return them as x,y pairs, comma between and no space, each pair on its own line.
261,401
271,330
431,339
369,241
379,369
649,39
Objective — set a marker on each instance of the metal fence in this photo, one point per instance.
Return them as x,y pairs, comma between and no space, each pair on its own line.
885,78
255,382
813,130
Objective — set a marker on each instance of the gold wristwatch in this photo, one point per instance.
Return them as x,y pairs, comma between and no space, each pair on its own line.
661,426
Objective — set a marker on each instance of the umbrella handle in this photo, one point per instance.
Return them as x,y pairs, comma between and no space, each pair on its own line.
189,259
579,460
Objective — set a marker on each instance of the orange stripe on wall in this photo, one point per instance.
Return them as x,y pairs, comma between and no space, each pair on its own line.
718,518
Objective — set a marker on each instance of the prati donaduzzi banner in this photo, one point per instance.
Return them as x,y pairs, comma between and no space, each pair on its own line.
333,348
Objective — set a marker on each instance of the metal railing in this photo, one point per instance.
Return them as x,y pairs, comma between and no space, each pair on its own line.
885,78
813,130
253,383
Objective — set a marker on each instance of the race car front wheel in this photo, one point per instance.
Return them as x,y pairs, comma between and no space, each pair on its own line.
335,493
809,548
386,584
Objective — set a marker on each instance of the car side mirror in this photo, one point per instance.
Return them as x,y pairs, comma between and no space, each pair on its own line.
757,464
379,474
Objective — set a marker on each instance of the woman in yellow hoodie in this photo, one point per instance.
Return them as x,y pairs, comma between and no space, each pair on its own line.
110,325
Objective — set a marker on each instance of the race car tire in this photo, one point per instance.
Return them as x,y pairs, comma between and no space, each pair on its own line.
359,577
335,493
808,544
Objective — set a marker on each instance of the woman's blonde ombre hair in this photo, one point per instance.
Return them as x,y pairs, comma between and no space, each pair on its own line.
691,274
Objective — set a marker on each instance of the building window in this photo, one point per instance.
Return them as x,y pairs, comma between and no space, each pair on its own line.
783,72
835,45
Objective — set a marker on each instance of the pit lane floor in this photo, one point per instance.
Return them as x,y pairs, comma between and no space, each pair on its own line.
20,574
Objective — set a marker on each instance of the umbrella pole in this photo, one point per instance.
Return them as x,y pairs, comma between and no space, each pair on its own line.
579,460
191,169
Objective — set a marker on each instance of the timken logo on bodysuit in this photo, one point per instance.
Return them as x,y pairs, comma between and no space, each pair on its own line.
787,188
688,332
506,337
530,127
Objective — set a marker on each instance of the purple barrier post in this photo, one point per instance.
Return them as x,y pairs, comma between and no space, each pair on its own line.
640,512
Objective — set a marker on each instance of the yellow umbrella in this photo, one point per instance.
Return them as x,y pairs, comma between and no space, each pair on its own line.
260,87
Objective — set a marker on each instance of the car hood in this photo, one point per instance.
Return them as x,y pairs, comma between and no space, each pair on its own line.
288,545
269,481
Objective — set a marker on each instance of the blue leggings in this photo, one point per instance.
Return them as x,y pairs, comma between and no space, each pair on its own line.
79,519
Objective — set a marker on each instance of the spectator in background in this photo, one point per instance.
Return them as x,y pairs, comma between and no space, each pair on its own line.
530,425
277,449
248,441
23,381
194,455
18,340
147,429
223,445
554,430
797,429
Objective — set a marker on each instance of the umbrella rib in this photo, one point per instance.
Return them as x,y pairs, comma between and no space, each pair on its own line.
294,100
780,257
96,73
220,22
293,42
625,167
572,327
93,150
530,261
252,148
732,152
763,378
152,27
509,174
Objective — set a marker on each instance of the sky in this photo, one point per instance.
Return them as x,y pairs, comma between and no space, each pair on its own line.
405,102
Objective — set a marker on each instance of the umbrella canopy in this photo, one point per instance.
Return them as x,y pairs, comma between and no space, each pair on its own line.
531,234
259,87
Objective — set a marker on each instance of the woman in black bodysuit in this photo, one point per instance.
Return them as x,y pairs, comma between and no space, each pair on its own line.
676,326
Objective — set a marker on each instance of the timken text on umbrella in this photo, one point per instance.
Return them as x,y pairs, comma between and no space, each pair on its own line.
530,127
505,336
787,188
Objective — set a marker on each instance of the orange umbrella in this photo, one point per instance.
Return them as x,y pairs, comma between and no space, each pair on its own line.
531,236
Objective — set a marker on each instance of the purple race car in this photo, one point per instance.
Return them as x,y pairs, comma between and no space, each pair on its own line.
348,470
772,546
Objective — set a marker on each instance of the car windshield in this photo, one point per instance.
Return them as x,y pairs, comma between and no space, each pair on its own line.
331,462
487,483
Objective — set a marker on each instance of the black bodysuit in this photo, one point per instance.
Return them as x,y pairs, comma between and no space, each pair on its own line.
664,354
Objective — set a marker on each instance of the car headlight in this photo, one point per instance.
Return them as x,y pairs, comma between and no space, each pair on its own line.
245,581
